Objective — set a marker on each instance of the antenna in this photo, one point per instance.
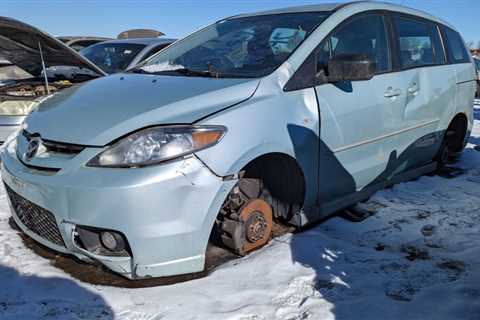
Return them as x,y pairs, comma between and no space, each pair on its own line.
43,67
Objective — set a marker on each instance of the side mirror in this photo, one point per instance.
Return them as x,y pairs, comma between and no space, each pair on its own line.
351,67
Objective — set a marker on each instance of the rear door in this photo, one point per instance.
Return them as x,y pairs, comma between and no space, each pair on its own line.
428,87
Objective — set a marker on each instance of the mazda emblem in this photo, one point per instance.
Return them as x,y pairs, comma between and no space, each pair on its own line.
32,148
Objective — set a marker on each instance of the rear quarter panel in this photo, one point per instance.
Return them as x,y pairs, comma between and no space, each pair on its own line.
466,87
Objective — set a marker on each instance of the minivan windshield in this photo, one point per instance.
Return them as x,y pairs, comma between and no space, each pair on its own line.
238,47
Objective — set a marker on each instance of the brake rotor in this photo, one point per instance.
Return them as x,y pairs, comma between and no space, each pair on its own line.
257,218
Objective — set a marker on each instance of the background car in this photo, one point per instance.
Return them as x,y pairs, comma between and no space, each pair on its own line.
118,55
78,43
23,82
477,67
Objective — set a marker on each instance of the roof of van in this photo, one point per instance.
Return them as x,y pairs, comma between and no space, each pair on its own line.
334,6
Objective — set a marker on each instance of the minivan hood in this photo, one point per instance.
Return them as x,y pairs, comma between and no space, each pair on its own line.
99,111
20,43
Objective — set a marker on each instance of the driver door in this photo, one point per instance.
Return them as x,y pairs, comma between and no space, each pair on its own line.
357,117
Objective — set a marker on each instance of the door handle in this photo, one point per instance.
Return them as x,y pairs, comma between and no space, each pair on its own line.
392,93
413,90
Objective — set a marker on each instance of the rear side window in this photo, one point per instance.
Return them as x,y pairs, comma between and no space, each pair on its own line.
415,42
457,52
364,35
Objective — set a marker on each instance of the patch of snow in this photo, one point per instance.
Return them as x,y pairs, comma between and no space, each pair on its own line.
163,66
417,257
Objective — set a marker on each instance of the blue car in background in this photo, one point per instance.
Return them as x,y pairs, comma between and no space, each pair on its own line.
282,116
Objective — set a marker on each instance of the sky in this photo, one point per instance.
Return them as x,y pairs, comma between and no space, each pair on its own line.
180,17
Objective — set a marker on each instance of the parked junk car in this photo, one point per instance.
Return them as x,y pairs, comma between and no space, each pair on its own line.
78,43
287,115
477,67
118,55
24,82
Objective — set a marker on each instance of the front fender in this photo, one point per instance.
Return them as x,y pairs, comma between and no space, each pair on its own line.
236,163
270,122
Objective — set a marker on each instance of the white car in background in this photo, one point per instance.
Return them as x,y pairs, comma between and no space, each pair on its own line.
27,53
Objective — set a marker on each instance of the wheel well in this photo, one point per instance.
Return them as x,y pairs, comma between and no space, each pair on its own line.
283,178
456,132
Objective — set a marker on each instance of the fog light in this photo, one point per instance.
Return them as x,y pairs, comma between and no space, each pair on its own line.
102,242
112,241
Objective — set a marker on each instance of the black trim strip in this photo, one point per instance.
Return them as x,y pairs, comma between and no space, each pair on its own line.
467,81
37,168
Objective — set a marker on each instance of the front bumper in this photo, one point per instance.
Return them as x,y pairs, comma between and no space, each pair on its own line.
166,212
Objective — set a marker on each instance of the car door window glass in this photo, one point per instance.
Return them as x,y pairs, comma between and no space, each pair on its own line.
457,52
364,35
415,43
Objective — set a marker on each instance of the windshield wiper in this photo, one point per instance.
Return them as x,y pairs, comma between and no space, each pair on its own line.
139,71
182,71
192,73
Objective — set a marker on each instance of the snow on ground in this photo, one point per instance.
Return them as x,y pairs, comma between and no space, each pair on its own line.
418,257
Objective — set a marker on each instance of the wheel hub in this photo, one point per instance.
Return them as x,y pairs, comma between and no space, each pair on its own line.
257,218
256,227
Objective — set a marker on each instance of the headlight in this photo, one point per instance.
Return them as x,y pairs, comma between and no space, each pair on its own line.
157,144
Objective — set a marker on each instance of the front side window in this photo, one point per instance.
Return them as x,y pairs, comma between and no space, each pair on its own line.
112,57
364,35
457,52
415,43
252,46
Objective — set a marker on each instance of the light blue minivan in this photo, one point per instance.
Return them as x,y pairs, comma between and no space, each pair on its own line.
287,115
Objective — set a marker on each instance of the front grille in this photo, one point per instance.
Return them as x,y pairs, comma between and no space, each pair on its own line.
36,219
54,146
65,148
